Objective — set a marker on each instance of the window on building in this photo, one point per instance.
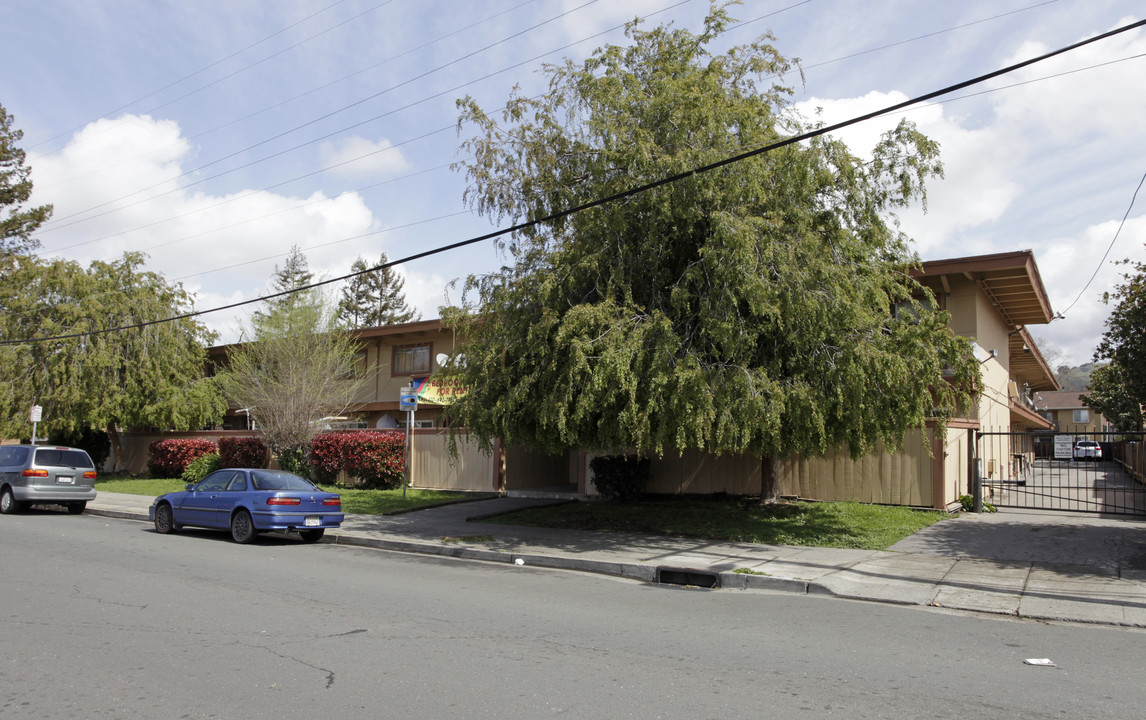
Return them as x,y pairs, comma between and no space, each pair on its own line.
412,359
1082,416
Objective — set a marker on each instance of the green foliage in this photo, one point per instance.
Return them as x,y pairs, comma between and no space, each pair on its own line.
95,442
294,274
16,225
620,477
747,309
201,467
1118,390
151,375
374,298
298,370
968,503
1109,393
294,460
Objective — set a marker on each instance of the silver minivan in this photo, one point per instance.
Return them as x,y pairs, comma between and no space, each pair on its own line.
45,475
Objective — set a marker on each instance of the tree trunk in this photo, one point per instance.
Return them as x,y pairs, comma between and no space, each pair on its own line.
769,479
116,447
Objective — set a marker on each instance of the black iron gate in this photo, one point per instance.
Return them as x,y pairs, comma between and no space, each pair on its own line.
1074,472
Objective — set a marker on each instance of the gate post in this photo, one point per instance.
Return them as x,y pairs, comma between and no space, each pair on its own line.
974,477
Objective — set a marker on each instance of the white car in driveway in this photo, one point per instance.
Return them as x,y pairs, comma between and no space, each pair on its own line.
1087,450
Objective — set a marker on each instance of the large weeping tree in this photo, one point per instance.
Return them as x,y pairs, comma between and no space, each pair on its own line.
763,307
123,355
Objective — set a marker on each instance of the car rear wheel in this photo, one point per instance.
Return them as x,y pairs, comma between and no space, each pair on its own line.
310,536
77,508
164,520
242,528
8,503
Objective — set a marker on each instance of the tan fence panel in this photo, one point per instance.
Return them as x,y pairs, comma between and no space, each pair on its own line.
432,466
902,478
955,465
525,469
700,473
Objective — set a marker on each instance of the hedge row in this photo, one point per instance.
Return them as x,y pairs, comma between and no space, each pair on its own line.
170,457
377,458
242,452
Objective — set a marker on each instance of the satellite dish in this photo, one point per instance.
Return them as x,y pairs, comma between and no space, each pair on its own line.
442,359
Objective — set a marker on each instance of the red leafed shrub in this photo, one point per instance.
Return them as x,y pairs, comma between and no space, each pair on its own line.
376,458
170,457
242,452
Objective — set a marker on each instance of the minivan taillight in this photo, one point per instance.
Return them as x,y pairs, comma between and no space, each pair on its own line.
90,475
35,472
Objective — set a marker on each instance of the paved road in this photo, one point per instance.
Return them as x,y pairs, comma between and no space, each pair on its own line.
104,618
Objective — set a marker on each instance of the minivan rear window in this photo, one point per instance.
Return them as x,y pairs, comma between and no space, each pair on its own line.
63,458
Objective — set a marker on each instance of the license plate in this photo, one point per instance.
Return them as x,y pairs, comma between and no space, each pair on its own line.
312,521
65,479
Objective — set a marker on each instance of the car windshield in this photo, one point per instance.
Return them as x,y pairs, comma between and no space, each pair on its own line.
279,480
1087,443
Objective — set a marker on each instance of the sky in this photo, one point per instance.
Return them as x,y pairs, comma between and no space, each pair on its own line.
215,135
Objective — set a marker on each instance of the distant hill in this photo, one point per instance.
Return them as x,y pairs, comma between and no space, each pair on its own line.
1075,378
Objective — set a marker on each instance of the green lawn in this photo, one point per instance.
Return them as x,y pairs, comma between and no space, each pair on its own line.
838,525
370,502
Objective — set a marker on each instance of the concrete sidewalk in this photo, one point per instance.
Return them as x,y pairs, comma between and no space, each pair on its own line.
1046,566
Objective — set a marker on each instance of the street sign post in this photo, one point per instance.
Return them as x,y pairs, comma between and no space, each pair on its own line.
35,415
408,401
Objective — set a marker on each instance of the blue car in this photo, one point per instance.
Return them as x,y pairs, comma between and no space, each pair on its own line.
247,502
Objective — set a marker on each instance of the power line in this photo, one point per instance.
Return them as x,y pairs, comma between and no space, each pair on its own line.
435,169
329,135
57,225
1109,247
299,96
204,69
53,225
616,196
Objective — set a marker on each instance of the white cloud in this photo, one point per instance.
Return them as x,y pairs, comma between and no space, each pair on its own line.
358,156
978,164
223,247
1066,265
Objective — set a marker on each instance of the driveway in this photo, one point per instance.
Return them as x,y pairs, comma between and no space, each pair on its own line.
1115,544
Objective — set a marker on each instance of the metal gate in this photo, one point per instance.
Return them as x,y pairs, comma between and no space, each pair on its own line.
1074,472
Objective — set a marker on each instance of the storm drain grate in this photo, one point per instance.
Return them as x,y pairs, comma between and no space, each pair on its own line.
689,577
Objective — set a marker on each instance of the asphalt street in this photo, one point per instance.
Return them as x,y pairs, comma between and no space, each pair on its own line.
105,618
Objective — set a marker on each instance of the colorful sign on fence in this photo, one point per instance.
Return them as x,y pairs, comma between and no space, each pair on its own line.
439,391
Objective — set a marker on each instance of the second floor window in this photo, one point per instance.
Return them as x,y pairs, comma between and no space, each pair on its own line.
412,359
1082,416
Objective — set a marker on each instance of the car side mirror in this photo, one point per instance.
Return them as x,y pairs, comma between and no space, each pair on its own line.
189,487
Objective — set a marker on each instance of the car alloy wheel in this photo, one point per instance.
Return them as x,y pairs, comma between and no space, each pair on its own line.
242,528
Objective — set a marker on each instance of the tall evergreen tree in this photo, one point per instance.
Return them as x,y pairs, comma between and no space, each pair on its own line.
16,225
374,298
294,274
